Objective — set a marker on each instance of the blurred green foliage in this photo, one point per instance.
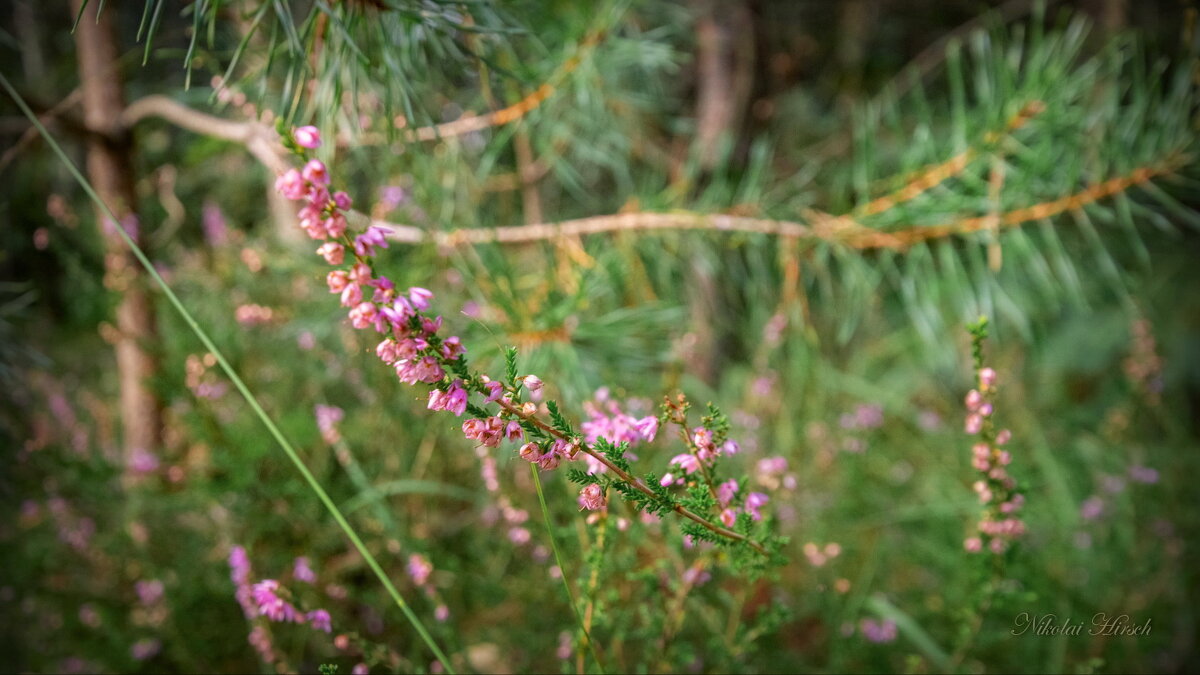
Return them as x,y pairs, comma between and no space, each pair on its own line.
716,315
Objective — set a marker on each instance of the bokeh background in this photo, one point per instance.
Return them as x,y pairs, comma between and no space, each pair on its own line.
848,362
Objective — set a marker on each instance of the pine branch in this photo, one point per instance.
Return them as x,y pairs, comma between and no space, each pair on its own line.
1092,193
496,118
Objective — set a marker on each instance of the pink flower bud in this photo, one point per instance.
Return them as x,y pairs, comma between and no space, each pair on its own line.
420,297
315,172
591,497
1003,437
332,252
974,400
307,137
290,185
337,280
532,382
341,200
530,452
987,378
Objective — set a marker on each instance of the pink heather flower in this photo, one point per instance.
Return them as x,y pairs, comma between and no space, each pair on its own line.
987,378
363,314
352,295
142,461
549,461
319,619
1091,508
452,348
431,326
772,466
239,566
703,439
986,410
686,462
302,571
360,273
1143,474
730,447
564,645
456,398
398,314
647,427
332,252
419,568
729,517
388,351
365,243
271,605
441,613
695,576
666,479
973,544
726,492
318,197
591,497
513,431
338,280
1003,437
359,669
519,536
307,137
420,297
335,225
754,502
532,382
341,200
974,423
290,185
529,452
149,592
145,649
974,400
315,172
878,632
495,390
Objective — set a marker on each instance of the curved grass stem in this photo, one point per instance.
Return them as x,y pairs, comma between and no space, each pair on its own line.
562,571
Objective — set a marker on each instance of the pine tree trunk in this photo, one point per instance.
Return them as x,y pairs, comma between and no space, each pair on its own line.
110,170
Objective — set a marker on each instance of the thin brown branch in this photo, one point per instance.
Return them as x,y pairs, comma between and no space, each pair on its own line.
260,139
496,118
931,176
1093,193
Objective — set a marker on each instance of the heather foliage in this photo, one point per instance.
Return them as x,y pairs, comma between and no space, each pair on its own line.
755,406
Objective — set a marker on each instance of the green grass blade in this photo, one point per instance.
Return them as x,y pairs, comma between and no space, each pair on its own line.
537,483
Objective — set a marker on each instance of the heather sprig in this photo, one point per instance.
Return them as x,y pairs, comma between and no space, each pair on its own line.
997,490
413,347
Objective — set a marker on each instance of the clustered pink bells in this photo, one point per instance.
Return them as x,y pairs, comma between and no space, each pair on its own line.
269,599
704,453
996,488
412,346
